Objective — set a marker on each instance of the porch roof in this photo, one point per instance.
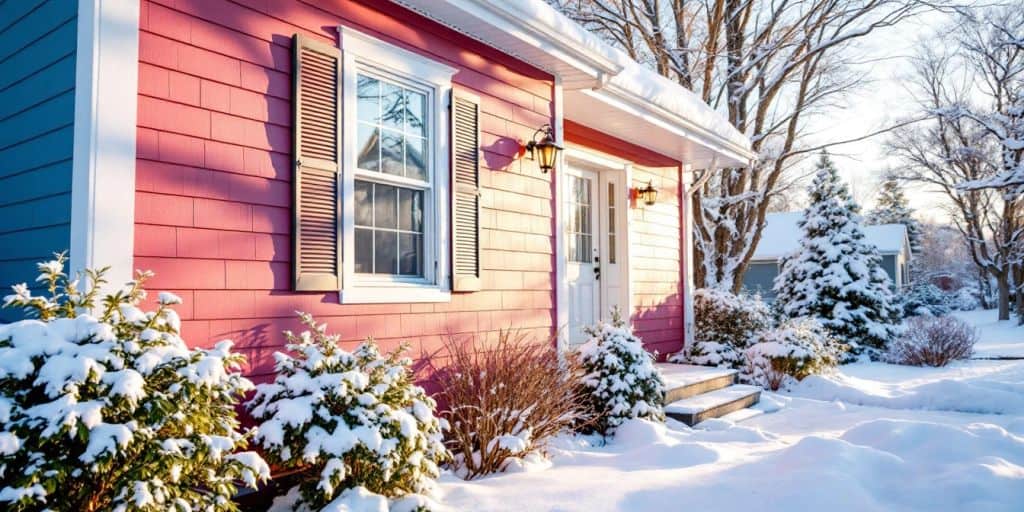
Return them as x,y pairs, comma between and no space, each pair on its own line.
602,87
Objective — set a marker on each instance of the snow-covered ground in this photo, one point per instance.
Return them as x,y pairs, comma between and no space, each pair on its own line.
999,339
872,437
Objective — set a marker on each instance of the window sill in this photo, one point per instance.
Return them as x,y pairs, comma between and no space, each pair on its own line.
394,295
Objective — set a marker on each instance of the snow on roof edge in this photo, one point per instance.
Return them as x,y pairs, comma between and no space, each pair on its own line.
782,234
546,28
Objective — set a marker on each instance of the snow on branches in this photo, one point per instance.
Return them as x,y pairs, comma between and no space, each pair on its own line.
114,411
835,275
347,420
619,376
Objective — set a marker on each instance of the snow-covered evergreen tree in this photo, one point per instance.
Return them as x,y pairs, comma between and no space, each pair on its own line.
891,207
619,379
835,275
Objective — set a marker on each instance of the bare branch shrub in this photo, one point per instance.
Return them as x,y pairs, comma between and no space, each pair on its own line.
933,342
505,399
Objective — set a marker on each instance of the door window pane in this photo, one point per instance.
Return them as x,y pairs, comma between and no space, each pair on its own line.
611,222
580,229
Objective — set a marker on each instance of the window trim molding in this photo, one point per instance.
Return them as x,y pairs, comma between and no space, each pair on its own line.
361,51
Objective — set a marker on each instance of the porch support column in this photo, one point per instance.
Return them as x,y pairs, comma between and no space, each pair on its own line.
688,247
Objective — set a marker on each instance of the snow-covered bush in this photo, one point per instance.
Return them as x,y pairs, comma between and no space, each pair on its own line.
924,299
724,325
619,378
786,354
114,411
964,299
505,399
836,276
347,419
933,341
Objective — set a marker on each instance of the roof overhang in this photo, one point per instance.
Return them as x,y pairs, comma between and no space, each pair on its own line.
602,87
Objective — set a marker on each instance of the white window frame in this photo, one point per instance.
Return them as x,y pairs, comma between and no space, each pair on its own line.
370,56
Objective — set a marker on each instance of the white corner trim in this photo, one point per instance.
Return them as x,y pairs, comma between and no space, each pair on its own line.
559,182
103,169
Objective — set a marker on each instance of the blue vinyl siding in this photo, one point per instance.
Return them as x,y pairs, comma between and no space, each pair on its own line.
760,278
889,265
37,111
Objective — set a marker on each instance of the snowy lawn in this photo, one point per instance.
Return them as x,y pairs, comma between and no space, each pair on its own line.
872,437
999,339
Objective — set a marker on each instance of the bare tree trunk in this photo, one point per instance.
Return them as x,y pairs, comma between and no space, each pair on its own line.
984,289
1018,281
1003,282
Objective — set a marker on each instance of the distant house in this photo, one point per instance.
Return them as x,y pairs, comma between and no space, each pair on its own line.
782,236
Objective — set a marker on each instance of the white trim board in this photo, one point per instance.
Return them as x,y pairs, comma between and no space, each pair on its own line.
103,169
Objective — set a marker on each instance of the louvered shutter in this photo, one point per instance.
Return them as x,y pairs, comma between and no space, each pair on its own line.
466,197
316,96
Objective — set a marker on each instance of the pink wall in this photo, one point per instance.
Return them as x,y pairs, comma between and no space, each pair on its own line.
655,240
213,182
213,175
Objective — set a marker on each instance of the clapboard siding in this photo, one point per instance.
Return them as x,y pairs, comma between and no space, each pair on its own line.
214,180
37,80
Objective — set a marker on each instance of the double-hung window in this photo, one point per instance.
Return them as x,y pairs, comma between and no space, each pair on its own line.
394,184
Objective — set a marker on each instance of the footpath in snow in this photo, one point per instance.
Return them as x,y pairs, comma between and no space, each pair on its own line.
871,437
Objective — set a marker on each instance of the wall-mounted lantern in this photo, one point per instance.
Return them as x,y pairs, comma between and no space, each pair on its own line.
544,150
648,194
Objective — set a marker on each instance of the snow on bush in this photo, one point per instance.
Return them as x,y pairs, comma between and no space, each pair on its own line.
114,411
933,342
724,326
924,300
347,419
835,276
619,377
786,354
964,299
505,400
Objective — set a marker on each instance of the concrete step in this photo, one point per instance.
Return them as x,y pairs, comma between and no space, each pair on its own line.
686,380
713,404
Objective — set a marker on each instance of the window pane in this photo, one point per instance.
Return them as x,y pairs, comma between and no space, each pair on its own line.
611,248
364,203
410,210
391,153
392,100
411,247
385,248
385,202
368,144
415,116
611,194
364,251
415,158
368,99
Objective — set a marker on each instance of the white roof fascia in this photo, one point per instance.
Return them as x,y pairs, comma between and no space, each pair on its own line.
534,32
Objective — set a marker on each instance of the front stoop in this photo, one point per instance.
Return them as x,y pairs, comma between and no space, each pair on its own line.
697,393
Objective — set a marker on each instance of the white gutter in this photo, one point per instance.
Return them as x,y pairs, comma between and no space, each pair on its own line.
536,33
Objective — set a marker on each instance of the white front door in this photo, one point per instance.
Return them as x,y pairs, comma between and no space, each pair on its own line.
583,252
